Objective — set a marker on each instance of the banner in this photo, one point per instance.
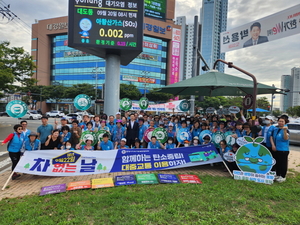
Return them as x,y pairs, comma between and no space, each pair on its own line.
169,107
279,25
76,163
175,63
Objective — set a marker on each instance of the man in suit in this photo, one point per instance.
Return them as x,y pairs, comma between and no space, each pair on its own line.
132,131
256,39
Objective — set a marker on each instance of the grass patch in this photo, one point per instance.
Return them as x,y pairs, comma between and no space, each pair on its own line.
219,200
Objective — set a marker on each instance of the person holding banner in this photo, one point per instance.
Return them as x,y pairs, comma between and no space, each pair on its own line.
170,143
105,144
256,39
65,134
280,145
31,143
195,142
122,144
88,145
137,144
15,141
155,144
67,146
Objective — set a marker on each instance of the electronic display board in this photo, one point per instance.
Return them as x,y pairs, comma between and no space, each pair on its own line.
155,9
102,27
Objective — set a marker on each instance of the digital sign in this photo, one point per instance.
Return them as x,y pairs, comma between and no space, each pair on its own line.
155,8
102,27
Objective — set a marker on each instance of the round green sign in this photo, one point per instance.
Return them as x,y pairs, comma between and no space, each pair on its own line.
217,137
184,105
88,135
161,134
125,104
82,102
144,103
16,109
100,133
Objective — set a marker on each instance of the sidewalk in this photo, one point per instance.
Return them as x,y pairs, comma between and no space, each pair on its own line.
32,184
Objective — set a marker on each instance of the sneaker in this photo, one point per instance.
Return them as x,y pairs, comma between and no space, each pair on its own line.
15,176
276,177
280,179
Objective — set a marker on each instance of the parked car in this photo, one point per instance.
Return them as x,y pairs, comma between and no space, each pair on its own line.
4,114
32,115
294,129
55,113
84,113
71,115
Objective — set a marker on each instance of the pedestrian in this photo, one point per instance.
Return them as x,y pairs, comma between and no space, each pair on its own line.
31,143
15,142
53,141
280,145
44,131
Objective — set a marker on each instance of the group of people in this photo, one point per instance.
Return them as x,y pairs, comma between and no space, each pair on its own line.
128,131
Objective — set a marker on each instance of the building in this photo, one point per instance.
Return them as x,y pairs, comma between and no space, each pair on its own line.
285,99
295,87
213,20
156,66
292,83
190,45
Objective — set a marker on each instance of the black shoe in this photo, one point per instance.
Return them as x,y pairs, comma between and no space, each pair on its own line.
15,176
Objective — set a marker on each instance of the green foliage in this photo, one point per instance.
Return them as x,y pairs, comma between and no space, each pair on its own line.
293,111
129,91
263,103
234,101
215,102
277,112
155,96
16,65
77,89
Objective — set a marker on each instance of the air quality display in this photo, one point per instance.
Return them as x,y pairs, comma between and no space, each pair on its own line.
110,25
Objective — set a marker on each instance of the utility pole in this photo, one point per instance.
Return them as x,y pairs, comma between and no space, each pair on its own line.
145,81
96,83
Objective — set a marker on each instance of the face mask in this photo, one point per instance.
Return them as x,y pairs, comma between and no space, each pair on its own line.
182,119
188,122
176,121
186,145
267,121
170,142
68,146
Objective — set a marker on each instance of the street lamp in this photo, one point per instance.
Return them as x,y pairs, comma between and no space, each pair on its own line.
95,70
145,80
272,99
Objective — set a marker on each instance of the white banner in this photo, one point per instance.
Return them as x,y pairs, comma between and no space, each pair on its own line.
168,107
76,163
279,25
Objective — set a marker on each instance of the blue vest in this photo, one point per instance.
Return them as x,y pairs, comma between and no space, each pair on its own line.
171,134
16,143
154,146
269,134
32,146
142,130
170,146
278,137
196,132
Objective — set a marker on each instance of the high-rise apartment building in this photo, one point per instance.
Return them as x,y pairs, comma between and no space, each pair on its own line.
295,86
213,20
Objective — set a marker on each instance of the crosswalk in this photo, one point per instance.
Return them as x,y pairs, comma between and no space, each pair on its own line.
5,162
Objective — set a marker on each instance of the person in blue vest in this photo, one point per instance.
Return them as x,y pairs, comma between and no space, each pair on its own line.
280,145
105,144
196,141
246,130
118,132
111,123
170,143
15,144
137,144
142,129
155,144
31,143
196,130
122,144
26,132
67,146
65,134
237,130
266,132
170,131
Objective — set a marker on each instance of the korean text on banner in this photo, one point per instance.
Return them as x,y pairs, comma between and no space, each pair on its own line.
279,25
76,163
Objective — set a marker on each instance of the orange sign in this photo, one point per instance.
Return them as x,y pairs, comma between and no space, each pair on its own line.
146,80
79,185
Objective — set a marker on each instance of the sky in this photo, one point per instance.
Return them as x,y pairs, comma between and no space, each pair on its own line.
273,59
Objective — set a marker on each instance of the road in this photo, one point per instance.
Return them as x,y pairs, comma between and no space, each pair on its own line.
6,127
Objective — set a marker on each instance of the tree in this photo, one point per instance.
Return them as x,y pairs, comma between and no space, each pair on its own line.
77,89
156,96
235,101
277,112
293,111
263,103
215,102
129,91
16,65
